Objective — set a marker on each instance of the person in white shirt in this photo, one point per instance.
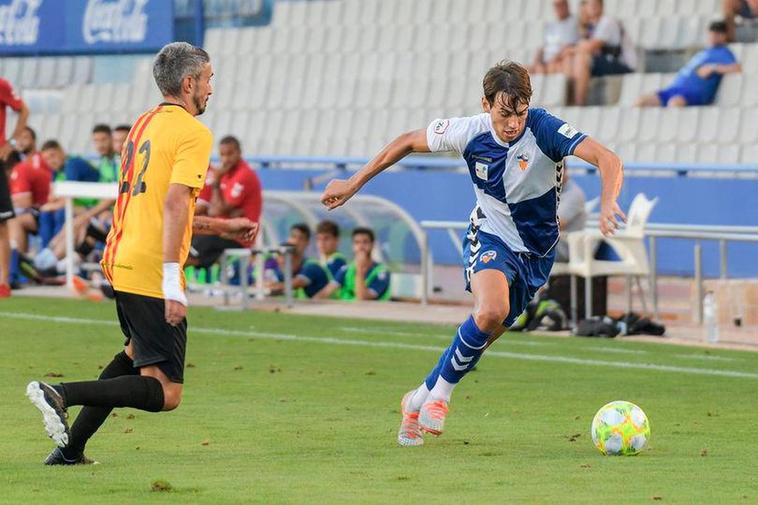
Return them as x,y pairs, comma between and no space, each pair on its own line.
607,51
560,37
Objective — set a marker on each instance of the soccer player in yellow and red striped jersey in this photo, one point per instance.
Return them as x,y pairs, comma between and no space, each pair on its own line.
163,168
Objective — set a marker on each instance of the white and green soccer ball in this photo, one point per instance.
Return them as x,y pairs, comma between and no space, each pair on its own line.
620,429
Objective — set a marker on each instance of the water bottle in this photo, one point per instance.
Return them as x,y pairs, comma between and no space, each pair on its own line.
710,318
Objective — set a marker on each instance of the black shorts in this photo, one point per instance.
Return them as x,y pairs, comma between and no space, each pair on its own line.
6,204
154,341
207,249
605,65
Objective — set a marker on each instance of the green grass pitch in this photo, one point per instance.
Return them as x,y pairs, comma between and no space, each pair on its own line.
297,410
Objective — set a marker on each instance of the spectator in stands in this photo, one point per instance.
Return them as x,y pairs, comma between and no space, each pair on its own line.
327,243
363,278
8,98
697,82
571,213
607,51
560,37
26,144
31,182
746,9
231,190
110,160
309,278
120,133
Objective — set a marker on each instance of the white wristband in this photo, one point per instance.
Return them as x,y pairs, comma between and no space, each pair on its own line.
172,286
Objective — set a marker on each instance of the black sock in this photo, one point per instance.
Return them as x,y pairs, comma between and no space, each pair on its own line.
136,391
90,419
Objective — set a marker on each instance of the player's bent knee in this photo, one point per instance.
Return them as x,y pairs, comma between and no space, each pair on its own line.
172,397
490,318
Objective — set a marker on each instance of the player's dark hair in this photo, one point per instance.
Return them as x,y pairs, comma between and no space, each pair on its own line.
232,140
365,231
718,27
508,83
102,128
328,227
51,144
31,132
302,228
122,128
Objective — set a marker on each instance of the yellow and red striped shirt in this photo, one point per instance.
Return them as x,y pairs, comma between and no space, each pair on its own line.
166,145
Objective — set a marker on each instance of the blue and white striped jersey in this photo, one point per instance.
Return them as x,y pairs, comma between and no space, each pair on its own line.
517,184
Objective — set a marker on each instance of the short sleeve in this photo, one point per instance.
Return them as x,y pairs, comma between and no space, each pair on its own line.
555,137
336,265
339,278
381,283
9,97
445,135
77,169
19,183
608,30
204,198
192,157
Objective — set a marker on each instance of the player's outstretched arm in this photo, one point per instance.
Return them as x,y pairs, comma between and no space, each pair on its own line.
237,228
339,191
612,177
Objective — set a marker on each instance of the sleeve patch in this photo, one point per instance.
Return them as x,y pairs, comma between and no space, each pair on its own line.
440,127
567,131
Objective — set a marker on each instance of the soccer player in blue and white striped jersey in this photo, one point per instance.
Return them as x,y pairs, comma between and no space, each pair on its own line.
514,154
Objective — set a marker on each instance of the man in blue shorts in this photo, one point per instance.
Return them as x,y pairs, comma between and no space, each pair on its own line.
514,155
697,82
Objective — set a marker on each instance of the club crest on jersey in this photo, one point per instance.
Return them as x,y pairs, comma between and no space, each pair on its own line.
440,126
523,161
488,256
481,170
567,131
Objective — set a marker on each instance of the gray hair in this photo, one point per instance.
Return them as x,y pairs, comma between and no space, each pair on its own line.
175,62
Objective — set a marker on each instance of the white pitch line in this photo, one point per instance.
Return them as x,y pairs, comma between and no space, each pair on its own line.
400,345
618,351
706,357
376,331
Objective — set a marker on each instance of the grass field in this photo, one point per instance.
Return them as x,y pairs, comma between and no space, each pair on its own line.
295,410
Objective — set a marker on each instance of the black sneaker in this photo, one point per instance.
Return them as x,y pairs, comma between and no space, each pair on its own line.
54,415
57,458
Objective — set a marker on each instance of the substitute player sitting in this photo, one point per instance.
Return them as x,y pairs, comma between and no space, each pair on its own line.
514,155
162,171
308,276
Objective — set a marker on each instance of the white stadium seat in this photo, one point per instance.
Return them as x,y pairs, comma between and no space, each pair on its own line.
729,122
730,90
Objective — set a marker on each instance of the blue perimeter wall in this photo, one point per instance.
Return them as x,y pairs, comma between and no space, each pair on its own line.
445,195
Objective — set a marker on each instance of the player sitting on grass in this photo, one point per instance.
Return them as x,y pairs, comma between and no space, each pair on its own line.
162,171
514,154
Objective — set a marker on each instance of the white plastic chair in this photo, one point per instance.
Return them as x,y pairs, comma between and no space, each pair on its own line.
629,245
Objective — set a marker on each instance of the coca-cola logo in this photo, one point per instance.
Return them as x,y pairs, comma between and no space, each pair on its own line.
19,24
114,21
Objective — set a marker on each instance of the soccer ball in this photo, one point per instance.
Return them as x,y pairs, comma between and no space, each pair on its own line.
620,429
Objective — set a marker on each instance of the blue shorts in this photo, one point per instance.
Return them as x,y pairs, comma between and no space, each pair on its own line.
526,272
692,97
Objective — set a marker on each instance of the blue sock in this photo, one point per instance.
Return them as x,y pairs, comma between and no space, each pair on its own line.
462,355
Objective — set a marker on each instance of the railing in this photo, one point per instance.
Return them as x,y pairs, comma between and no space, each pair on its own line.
654,231
450,163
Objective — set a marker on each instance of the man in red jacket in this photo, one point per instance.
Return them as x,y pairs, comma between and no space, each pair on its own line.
8,98
231,190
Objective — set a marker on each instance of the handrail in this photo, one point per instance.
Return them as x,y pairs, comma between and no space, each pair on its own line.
453,163
653,231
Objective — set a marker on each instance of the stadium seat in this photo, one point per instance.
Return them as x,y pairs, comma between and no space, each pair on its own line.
747,130
82,73
709,125
729,119
665,153
750,91
688,124
749,154
669,123
630,125
730,90
750,59
650,120
631,85
28,76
